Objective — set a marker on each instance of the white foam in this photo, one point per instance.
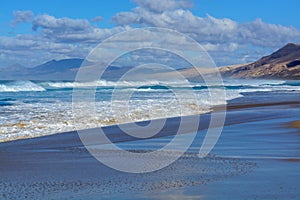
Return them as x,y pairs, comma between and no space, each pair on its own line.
20,86
105,83
271,89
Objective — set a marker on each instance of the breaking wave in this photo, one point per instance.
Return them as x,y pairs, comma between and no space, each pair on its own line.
20,86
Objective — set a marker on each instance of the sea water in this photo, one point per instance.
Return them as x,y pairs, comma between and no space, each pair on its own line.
36,108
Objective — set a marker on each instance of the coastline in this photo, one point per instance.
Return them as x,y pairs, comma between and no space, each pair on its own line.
248,102
58,166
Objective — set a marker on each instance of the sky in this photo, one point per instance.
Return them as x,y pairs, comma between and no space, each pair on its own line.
232,31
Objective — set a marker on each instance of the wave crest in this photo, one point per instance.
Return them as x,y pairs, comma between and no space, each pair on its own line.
20,86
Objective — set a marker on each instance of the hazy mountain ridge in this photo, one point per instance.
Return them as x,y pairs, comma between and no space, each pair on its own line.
65,69
282,64
60,65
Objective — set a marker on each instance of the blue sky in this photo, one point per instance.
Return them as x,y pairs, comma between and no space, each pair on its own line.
271,11
233,31
66,8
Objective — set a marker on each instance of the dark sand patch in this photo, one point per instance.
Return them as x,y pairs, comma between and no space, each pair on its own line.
293,160
254,105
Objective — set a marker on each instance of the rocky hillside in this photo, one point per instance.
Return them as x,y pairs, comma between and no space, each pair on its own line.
282,64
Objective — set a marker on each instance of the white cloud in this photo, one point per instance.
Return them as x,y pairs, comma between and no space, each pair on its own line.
67,30
32,50
21,16
53,38
16,43
267,35
97,19
161,6
59,24
210,29
92,35
221,37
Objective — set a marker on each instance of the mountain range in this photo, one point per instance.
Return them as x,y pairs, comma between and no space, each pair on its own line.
282,64
65,69
62,69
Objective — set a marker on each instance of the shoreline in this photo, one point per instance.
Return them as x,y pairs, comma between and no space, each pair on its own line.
234,104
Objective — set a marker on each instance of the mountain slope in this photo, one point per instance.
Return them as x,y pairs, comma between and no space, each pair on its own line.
59,66
65,69
53,70
282,64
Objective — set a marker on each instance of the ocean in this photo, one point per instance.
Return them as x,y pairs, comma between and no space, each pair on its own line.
36,108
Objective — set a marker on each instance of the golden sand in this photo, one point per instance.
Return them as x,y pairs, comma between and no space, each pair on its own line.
19,124
295,124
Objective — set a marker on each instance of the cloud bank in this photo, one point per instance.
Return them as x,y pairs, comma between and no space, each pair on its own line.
228,41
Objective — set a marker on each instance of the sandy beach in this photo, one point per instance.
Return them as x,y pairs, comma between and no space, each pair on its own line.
256,157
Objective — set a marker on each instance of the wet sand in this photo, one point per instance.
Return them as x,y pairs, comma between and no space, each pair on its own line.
256,157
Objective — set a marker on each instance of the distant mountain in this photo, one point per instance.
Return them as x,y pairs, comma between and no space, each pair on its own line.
282,64
59,65
65,69
53,70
